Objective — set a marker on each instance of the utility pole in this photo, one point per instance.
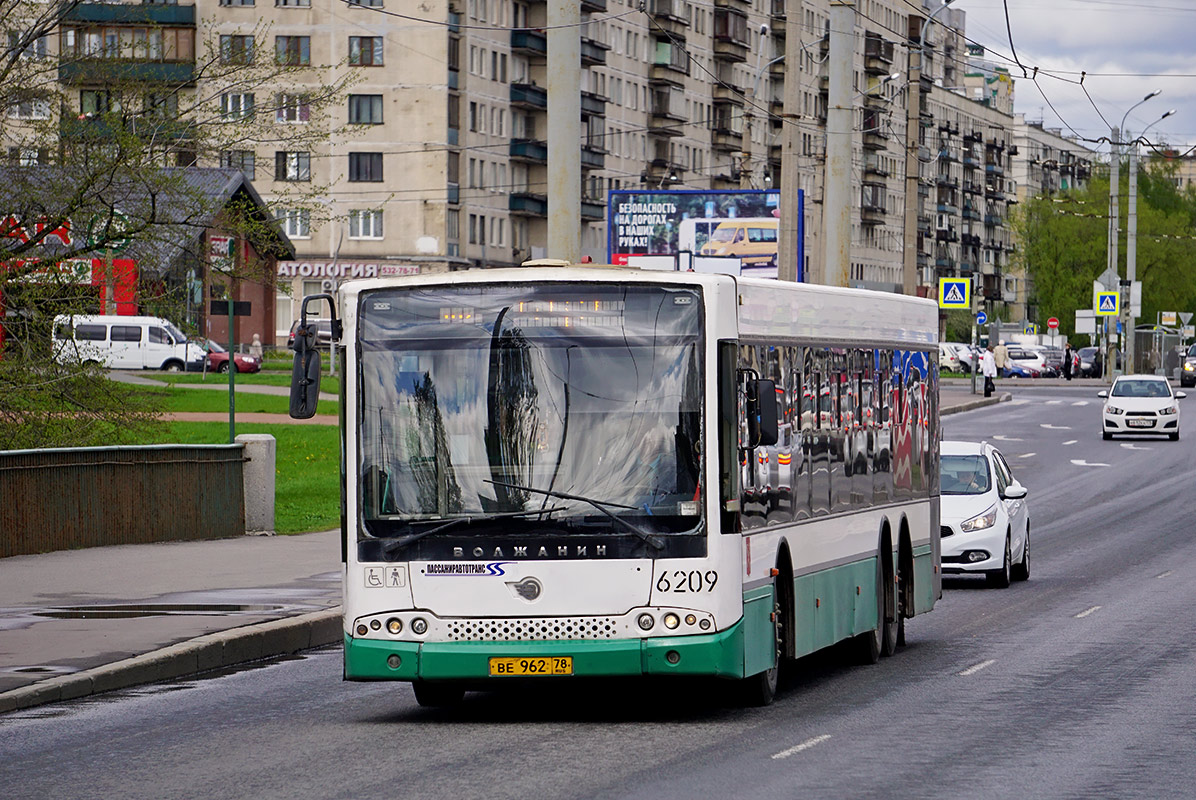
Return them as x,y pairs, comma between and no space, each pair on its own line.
1114,237
836,208
564,130
790,225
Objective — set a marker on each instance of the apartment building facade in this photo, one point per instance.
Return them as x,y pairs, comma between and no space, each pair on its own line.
438,160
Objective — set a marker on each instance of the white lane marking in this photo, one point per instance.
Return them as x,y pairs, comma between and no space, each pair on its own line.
806,745
972,670
1001,438
1019,402
1054,402
1087,611
1073,441
1027,455
1080,403
1079,462
1054,427
1134,447
1164,575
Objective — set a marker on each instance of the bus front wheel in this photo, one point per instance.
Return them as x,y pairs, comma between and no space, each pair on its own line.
437,695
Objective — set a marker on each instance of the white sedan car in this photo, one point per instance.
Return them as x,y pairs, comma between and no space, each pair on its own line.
984,515
1141,404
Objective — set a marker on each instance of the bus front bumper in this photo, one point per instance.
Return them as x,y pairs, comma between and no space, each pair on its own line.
717,655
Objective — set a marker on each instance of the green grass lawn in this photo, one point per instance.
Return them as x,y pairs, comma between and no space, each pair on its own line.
307,478
329,383
180,398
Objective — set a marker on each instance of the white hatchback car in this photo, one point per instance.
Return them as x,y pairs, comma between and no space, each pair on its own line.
984,515
1140,404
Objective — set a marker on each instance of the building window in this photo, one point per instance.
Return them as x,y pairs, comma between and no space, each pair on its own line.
236,49
292,166
292,51
366,3
452,224
160,106
293,3
292,108
365,109
239,159
34,50
365,51
365,167
28,156
365,224
97,102
30,109
235,106
296,222
236,2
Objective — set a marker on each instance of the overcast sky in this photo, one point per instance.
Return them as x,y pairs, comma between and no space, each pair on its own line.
1150,45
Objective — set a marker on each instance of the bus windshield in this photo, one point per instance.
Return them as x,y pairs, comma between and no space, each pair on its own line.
490,401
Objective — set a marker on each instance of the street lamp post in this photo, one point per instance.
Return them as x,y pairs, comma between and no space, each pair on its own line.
1114,222
1131,240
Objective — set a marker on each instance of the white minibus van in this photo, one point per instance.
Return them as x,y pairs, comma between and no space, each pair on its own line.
119,342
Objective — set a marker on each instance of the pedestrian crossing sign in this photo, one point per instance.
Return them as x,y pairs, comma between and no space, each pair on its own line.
955,293
1108,304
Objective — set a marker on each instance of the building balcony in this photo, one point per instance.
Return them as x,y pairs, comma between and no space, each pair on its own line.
592,210
946,235
670,72
725,139
876,138
994,169
727,93
948,208
871,214
971,162
525,95
970,213
528,151
944,262
528,204
971,187
992,193
106,72
593,52
874,166
131,14
669,15
878,55
947,180
529,43
993,220
730,50
592,158
593,104
593,5
946,155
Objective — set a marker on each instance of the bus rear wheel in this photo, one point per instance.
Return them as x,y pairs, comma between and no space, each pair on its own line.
431,694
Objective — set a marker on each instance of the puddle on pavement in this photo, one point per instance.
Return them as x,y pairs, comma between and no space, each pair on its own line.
154,610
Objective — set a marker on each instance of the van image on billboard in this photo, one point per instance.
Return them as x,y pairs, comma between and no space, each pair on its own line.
124,342
753,241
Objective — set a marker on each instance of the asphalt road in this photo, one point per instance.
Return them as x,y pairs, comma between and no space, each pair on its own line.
1076,684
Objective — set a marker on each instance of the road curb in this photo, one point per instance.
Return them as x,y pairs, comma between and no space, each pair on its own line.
981,402
211,651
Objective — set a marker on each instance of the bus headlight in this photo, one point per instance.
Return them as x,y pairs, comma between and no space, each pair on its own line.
671,621
419,626
394,625
645,622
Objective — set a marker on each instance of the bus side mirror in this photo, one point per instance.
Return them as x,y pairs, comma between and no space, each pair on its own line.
305,375
762,413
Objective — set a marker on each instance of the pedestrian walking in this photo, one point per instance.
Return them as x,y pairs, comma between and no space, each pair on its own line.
988,368
1067,361
1001,357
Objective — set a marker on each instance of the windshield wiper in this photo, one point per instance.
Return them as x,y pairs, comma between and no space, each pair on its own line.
403,541
601,505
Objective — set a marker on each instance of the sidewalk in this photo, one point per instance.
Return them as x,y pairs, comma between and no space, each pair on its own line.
80,622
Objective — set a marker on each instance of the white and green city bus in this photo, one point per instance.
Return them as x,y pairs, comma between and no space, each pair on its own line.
588,471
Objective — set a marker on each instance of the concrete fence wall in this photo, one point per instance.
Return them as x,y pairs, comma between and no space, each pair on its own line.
60,499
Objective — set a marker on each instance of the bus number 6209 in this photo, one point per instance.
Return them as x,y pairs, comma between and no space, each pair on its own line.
692,581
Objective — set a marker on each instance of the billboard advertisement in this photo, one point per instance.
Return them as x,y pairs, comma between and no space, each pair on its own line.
654,228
